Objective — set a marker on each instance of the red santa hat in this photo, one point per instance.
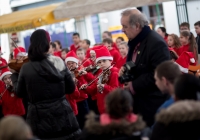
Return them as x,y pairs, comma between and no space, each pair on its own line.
103,54
71,56
20,51
4,72
184,61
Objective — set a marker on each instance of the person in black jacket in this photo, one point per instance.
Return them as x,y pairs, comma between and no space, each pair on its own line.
147,49
46,80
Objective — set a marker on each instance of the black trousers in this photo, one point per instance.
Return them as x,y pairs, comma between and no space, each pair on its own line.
93,105
83,110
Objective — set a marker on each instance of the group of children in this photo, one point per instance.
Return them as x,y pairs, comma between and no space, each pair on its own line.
183,49
95,72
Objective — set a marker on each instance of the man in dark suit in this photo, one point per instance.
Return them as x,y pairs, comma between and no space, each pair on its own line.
147,49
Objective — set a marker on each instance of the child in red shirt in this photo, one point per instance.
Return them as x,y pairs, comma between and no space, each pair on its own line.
188,44
76,40
123,49
64,53
11,104
114,53
106,82
57,51
174,43
83,109
83,61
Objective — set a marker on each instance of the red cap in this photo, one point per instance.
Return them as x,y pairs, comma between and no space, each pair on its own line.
18,50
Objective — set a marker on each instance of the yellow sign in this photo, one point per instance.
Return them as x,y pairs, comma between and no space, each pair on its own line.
117,32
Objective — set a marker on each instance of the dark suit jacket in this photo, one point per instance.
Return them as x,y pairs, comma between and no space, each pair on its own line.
152,51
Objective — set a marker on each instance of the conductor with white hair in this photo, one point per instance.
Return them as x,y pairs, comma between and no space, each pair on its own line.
147,50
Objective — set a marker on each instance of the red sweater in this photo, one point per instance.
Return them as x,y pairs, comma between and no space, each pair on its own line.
11,104
120,62
73,48
58,53
83,93
3,60
108,87
89,77
114,45
184,48
115,54
86,62
71,98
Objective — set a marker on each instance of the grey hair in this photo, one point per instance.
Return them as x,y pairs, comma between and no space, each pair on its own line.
140,18
124,43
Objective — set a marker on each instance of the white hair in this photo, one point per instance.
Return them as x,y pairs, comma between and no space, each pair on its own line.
134,18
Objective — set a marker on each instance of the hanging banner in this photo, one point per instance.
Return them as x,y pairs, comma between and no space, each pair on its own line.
18,28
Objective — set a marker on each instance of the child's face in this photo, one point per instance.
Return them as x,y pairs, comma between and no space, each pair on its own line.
93,56
63,55
71,65
197,29
80,55
57,46
76,39
184,28
184,40
118,41
104,64
7,79
159,31
170,41
109,46
123,50
84,45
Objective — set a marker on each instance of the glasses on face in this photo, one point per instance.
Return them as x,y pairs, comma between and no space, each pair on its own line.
100,61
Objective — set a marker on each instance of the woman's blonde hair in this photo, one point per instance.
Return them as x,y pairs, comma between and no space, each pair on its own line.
14,128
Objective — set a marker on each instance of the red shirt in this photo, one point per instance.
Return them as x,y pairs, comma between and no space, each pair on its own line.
121,61
71,98
3,60
114,45
11,104
115,54
74,48
86,62
184,48
108,87
57,53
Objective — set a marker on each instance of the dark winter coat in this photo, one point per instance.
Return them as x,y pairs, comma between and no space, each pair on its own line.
46,82
180,121
152,51
114,131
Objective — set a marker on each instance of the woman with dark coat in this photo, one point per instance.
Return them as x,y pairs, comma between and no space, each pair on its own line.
46,80
119,123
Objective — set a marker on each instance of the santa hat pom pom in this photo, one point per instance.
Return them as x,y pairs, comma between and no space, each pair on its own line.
192,60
